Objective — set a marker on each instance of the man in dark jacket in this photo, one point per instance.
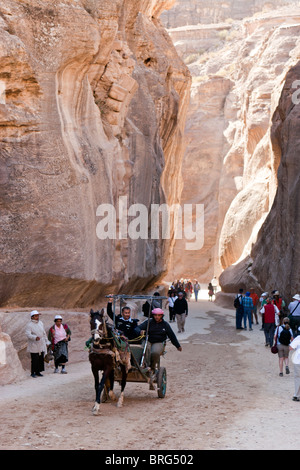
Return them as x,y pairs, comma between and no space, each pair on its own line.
181,311
158,332
124,323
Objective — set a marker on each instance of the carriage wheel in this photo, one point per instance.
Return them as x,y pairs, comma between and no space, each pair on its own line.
161,382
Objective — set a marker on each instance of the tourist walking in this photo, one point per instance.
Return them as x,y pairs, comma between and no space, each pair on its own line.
210,291
283,338
255,300
214,283
59,335
238,304
295,346
247,310
263,301
294,316
197,288
37,343
181,311
271,320
170,303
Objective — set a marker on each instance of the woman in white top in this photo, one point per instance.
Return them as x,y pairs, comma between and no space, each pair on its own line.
295,346
171,299
37,343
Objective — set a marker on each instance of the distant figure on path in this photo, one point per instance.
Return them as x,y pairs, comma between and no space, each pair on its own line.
181,311
197,288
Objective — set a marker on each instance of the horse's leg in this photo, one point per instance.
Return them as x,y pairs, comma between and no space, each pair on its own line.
98,394
123,385
97,401
111,393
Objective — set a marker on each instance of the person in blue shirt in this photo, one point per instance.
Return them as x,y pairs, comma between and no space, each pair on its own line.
247,303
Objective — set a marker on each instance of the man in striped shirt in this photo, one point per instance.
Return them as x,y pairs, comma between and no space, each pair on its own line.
248,307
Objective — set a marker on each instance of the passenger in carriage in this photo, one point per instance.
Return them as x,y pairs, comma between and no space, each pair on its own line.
124,323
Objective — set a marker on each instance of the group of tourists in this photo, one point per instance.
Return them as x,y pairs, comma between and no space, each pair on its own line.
55,343
188,288
280,323
41,346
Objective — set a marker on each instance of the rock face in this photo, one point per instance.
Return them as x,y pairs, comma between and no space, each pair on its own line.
93,99
192,12
231,161
274,259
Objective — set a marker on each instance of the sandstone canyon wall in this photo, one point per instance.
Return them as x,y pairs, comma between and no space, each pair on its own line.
193,12
231,161
93,99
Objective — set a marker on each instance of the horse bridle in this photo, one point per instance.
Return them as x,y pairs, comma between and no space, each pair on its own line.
101,334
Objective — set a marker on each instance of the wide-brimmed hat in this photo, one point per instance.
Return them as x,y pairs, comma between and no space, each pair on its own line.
57,317
296,296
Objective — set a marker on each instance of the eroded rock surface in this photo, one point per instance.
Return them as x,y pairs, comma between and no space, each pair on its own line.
92,108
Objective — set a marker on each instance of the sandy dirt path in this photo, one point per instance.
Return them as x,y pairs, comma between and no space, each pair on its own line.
223,392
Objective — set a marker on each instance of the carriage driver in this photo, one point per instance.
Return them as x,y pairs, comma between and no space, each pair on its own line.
123,322
159,331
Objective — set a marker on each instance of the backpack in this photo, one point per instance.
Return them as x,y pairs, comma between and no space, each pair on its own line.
236,302
285,337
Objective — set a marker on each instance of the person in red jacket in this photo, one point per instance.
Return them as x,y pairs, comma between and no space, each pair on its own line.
255,300
271,320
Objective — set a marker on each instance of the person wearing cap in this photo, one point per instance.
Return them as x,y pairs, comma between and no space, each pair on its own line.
59,335
181,311
37,343
294,316
158,332
278,301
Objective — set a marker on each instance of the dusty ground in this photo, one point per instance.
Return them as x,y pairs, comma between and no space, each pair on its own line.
223,392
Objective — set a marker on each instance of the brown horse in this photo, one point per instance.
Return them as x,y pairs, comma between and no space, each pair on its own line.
106,352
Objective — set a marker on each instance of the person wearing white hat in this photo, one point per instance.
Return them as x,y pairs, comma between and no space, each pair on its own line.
59,335
294,309
37,343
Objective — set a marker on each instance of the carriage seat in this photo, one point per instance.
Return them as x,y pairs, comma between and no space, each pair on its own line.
137,351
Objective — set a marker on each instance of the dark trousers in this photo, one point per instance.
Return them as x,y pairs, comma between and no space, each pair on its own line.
269,329
37,363
171,314
238,317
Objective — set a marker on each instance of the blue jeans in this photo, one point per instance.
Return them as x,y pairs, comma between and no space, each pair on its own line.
247,314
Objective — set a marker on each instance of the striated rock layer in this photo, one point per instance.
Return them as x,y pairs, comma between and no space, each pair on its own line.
93,99
231,160
274,260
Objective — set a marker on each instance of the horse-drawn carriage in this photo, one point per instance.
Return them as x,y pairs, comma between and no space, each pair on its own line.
120,359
